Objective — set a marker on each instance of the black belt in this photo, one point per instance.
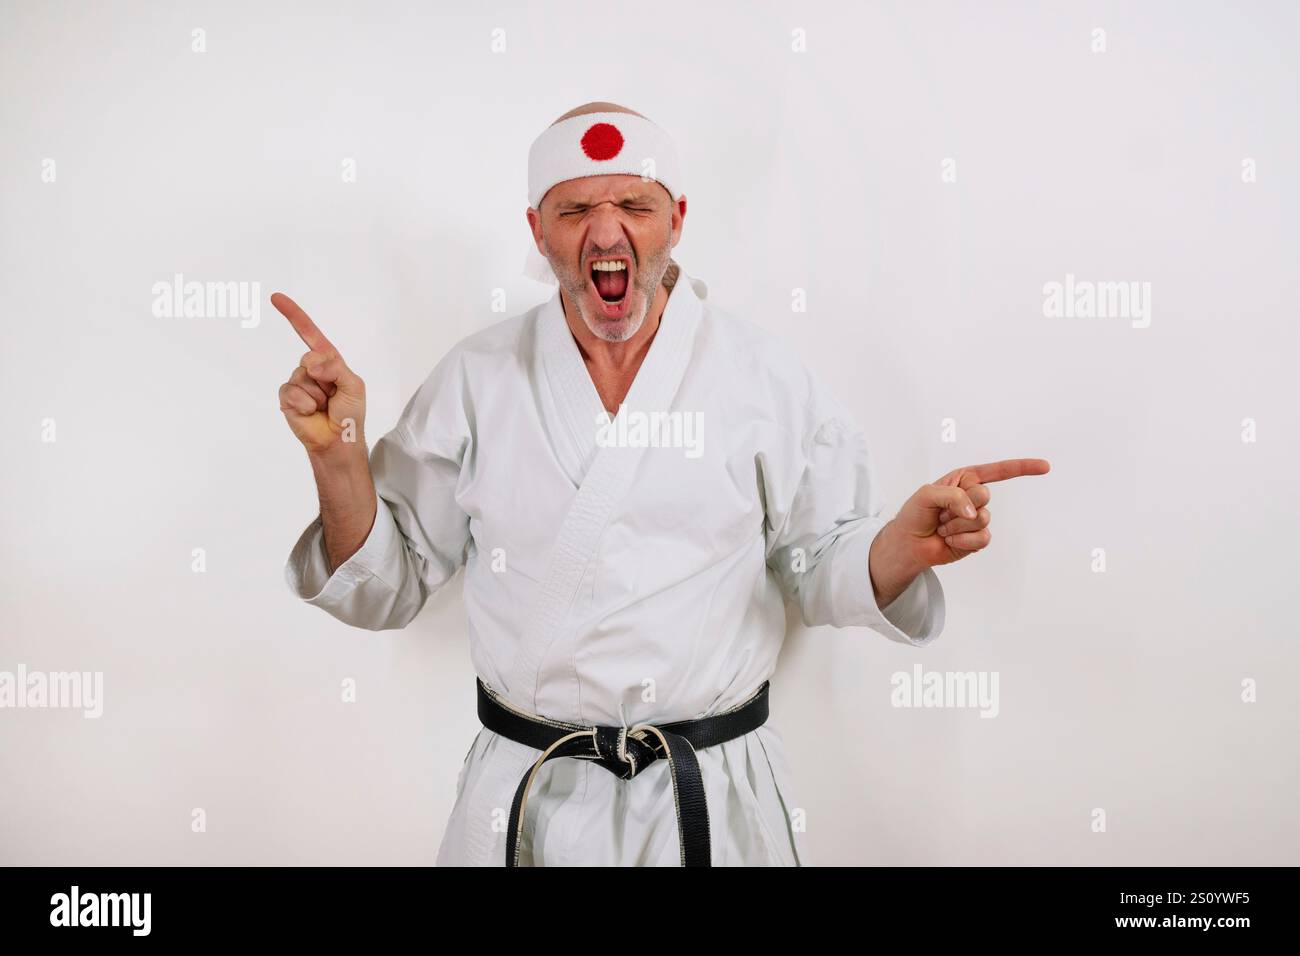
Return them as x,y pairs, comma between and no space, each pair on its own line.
625,752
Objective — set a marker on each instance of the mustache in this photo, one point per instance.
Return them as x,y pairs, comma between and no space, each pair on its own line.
614,253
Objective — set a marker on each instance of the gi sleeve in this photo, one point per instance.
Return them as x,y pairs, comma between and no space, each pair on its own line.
823,515
420,536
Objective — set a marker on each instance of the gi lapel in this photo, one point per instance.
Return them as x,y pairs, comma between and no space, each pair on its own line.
571,402
603,485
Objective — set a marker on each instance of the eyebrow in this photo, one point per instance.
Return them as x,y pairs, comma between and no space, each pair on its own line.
646,199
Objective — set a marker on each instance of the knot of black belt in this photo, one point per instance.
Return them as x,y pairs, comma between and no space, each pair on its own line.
625,752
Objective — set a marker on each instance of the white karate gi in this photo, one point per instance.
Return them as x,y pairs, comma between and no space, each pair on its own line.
623,566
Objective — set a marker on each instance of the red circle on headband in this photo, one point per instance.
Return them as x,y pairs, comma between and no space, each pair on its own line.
602,141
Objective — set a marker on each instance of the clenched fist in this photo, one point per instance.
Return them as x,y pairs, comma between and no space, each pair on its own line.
324,401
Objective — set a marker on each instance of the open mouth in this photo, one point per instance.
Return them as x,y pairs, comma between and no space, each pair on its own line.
612,280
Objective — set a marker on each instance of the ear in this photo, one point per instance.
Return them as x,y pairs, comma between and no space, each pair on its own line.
679,218
534,218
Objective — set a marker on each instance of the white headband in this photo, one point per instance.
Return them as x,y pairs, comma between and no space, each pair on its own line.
602,144
598,144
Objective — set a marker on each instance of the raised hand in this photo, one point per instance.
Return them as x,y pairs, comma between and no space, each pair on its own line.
948,520
942,523
324,401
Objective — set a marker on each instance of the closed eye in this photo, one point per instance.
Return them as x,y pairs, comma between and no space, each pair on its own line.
579,210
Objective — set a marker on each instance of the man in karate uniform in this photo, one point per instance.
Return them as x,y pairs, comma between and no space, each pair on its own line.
625,577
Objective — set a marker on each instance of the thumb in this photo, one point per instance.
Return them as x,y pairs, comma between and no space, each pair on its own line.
333,370
951,497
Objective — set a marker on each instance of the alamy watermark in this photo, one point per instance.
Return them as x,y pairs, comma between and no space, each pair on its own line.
1085,299
634,429
956,689
76,908
70,690
179,299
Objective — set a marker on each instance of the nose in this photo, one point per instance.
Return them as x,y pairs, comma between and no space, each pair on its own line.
605,226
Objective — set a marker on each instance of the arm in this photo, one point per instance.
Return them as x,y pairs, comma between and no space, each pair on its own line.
833,549
348,502
826,536
419,538
390,531
324,404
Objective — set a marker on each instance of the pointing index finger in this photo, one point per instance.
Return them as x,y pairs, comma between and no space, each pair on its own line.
1010,468
302,324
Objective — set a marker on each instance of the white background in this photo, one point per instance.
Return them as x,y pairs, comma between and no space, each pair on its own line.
817,170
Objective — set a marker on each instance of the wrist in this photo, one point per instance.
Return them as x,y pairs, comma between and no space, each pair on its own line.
894,563
340,456
902,550
343,480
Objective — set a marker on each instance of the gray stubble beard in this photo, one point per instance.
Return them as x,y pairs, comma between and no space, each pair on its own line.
648,277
